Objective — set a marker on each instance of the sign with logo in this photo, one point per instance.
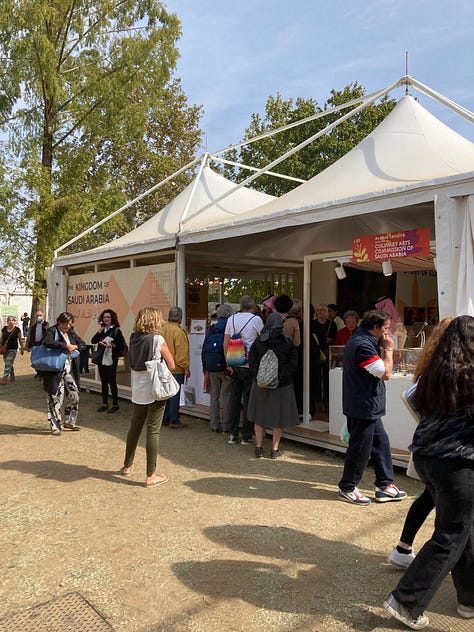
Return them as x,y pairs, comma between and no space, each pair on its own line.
404,243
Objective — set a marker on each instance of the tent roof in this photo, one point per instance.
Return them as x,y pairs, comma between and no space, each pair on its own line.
403,163
411,147
160,231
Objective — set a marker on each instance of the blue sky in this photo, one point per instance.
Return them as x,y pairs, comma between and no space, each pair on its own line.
234,55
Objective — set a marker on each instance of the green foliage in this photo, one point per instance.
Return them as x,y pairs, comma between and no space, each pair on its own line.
92,117
316,156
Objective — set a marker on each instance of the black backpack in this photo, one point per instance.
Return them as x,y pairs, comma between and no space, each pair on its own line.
214,350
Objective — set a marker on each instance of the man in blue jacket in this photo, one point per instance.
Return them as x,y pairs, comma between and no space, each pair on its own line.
368,362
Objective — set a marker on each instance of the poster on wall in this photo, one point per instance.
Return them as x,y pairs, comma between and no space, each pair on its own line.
125,291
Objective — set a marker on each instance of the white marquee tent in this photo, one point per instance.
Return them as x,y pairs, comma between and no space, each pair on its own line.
412,171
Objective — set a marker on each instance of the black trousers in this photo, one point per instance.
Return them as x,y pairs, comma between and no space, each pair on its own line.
451,547
108,378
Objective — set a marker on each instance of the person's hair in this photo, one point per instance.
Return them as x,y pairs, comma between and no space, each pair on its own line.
246,302
149,320
297,308
283,304
445,386
224,311
175,315
65,317
430,345
333,306
113,317
350,312
374,318
311,311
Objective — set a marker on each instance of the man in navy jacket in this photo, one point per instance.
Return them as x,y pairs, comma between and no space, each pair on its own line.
368,362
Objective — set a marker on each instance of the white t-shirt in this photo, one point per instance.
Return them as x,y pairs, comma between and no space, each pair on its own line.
253,326
141,381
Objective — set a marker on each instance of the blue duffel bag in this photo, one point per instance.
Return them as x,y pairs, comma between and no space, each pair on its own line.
47,359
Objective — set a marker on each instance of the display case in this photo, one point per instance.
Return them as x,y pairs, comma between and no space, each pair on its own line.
404,360
398,422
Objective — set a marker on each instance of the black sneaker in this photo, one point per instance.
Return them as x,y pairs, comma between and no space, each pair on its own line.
258,452
102,408
274,454
114,409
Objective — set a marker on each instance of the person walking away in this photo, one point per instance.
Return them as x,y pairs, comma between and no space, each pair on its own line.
403,554
214,365
25,324
36,333
11,336
145,410
273,407
368,362
178,344
110,339
443,455
64,386
248,325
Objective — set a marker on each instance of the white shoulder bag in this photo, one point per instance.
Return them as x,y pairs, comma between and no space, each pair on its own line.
163,383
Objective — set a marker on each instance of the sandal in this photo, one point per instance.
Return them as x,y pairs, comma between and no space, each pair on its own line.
158,479
126,471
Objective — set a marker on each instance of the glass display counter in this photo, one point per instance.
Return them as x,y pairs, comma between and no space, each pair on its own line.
398,422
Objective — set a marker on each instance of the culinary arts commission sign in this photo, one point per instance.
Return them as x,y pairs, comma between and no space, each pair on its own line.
403,243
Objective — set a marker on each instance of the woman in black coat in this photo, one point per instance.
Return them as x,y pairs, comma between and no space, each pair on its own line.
273,408
110,340
63,385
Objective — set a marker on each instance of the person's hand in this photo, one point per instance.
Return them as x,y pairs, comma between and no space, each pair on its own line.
187,373
387,342
71,348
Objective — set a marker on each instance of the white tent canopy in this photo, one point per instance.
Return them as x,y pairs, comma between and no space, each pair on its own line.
410,152
182,214
411,171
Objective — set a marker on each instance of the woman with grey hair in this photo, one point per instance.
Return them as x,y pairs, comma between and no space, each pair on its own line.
351,322
214,368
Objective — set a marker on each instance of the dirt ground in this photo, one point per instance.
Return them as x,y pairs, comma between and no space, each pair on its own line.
231,543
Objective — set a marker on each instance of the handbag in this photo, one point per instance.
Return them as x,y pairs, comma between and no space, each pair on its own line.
48,360
4,347
96,356
163,383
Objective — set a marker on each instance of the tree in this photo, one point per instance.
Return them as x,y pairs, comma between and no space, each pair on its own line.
316,156
91,117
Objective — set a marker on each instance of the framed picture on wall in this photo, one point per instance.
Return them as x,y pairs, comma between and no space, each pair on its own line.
413,315
432,315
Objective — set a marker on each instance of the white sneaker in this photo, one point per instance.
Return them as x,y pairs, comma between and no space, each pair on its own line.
466,611
389,493
400,613
400,560
356,497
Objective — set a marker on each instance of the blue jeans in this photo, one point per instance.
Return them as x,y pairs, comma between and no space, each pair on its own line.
368,439
171,415
451,547
239,398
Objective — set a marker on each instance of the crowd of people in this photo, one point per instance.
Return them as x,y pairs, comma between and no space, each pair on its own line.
252,363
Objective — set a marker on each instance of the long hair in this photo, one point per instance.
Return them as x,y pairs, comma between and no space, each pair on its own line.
446,385
113,317
149,320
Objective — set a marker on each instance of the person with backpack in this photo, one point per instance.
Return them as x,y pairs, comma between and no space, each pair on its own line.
214,365
240,332
273,359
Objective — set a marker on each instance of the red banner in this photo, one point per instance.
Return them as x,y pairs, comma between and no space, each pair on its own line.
404,243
